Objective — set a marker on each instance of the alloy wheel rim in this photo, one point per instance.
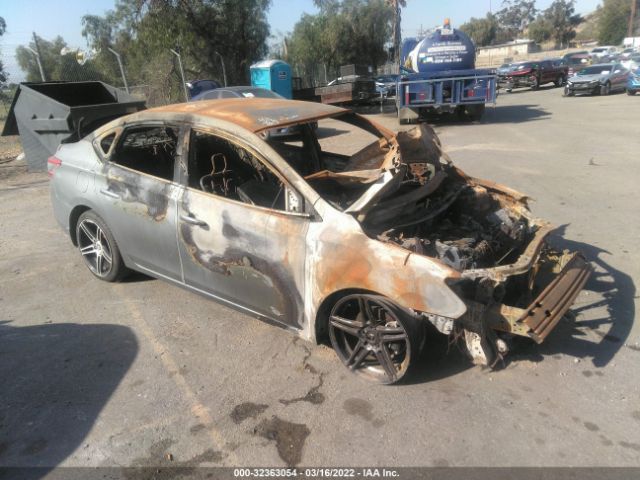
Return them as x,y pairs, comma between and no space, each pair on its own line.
369,338
94,247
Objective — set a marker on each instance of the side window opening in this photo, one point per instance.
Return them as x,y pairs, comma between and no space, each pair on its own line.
150,150
106,142
222,168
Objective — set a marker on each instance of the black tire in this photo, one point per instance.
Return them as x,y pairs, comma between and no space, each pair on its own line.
475,112
559,81
567,92
375,338
536,83
631,93
98,248
605,89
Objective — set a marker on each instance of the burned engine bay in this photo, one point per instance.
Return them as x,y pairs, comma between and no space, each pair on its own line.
436,210
461,224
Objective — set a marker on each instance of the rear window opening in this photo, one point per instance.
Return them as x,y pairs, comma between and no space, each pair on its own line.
149,150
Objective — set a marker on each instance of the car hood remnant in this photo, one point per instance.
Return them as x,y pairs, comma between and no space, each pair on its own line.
422,202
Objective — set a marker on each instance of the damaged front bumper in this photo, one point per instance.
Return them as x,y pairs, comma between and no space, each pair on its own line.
543,314
551,281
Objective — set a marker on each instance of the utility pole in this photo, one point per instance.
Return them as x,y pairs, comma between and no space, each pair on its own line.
634,7
184,82
124,79
36,52
224,70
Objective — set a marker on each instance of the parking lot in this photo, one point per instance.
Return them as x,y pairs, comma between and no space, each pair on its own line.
144,373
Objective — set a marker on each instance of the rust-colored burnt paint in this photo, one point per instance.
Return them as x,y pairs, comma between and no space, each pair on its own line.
254,114
347,259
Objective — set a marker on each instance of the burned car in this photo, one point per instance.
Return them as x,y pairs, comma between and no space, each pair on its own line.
362,249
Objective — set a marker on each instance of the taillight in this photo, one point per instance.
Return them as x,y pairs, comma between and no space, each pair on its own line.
52,164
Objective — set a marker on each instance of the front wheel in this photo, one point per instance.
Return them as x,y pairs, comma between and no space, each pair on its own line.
567,91
535,83
605,89
98,248
375,338
631,93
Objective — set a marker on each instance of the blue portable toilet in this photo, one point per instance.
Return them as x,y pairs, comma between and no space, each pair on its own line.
273,75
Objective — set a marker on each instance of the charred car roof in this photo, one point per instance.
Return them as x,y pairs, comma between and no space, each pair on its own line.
254,114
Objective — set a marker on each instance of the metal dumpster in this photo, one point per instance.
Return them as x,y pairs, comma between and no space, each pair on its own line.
47,114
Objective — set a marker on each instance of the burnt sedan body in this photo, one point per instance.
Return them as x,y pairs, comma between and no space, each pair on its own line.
361,249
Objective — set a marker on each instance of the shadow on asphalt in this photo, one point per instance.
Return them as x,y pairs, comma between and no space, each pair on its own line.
439,359
56,379
326,132
498,114
616,293
515,91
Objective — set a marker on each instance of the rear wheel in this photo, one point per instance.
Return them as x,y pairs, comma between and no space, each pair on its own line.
98,248
631,93
605,89
375,338
475,112
559,81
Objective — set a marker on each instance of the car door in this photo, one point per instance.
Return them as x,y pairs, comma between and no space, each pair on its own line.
241,229
139,196
619,76
548,72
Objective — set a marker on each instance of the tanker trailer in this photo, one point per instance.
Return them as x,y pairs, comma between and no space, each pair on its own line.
438,74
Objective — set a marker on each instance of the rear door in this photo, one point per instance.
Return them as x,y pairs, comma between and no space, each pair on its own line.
139,196
241,229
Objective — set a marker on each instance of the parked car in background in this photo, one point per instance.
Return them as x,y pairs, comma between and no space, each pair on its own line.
602,51
387,85
249,92
577,62
632,62
627,52
535,74
196,87
600,79
503,69
567,56
236,92
633,81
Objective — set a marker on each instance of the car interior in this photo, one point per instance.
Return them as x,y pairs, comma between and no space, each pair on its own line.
149,150
222,168
338,178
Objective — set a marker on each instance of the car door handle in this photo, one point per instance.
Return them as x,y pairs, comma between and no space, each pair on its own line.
109,193
191,220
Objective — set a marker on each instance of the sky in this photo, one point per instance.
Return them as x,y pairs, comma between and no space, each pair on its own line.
49,18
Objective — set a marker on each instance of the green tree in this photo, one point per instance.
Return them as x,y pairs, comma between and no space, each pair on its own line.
482,31
514,17
562,19
343,32
3,74
540,30
56,65
205,32
613,21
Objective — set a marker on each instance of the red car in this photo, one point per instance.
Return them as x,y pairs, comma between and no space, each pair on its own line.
535,73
